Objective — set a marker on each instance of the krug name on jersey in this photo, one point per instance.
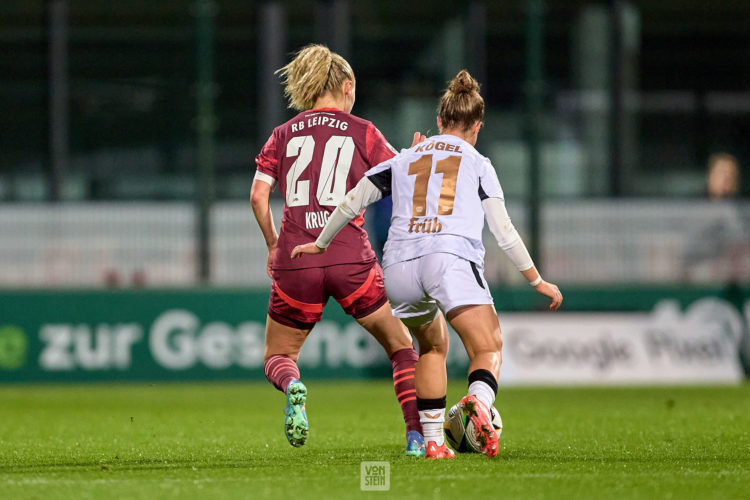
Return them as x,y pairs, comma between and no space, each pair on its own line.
316,220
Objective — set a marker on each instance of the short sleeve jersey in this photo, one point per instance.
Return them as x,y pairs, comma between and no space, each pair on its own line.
315,158
437,188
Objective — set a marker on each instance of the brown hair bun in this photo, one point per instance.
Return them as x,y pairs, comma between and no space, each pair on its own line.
461,106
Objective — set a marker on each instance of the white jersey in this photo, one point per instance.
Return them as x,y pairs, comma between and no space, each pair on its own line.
437,188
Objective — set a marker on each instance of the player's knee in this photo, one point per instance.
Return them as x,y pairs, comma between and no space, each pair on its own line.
435,350
492,342
489,353
442,346
393,344
435,346
401,343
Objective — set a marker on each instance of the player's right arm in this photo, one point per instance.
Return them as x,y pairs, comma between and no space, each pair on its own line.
364,193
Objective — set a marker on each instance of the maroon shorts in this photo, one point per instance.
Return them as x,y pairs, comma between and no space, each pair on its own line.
298,295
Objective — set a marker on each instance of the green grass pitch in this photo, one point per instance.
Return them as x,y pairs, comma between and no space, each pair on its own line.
226,441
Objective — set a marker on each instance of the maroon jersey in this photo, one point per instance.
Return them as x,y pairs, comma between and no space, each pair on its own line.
316,158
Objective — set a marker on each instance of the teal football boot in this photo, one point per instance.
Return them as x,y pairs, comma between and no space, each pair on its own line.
414,444
295,418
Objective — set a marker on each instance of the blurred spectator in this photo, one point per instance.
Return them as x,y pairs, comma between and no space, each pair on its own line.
723,178
720,250
138,278
111,278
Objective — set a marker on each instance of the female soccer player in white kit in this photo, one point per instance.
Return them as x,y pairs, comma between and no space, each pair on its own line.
434,257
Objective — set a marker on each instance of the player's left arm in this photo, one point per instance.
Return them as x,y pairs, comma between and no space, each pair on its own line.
364,193
266,177
508,238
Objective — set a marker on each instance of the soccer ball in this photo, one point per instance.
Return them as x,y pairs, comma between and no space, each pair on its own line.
459,431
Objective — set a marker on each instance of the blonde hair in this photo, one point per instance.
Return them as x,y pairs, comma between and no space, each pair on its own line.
461,105
314,71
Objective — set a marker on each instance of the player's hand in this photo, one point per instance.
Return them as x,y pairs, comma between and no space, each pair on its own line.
550,290
310,248
271,253
418,137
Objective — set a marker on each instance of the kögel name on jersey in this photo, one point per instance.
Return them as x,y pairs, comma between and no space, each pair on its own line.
319,120
438,146
425,225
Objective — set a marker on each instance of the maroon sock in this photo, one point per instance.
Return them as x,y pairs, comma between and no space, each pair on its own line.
280,371
404,363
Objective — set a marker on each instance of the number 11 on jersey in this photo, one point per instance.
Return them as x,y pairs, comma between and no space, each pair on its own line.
422,169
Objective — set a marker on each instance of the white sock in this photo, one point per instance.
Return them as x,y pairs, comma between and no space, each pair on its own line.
483,392
432,425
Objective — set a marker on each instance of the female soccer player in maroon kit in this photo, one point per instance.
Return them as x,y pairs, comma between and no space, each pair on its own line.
316,158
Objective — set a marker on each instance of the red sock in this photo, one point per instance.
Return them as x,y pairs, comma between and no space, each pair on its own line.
404,363
280,371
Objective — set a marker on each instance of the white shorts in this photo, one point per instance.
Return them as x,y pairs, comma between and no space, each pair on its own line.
417,288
